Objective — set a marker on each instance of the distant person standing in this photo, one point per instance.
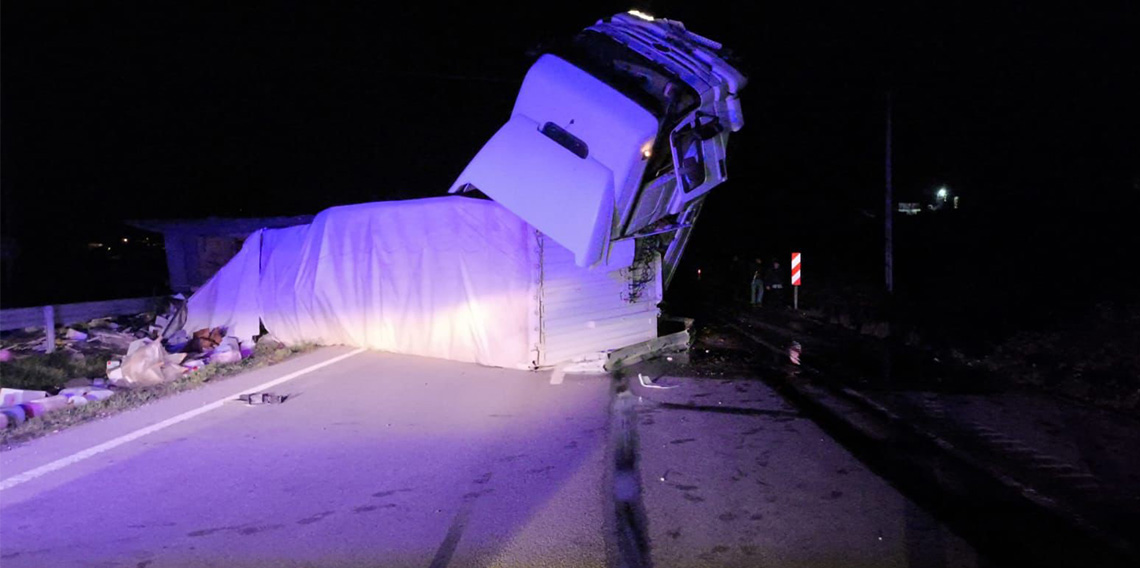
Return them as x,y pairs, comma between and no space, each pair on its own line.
758,283
774,278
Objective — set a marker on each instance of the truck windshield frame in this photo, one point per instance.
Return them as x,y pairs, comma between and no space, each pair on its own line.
645,82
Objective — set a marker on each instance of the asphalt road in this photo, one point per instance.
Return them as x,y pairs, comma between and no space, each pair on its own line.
732,475
391,460
376,460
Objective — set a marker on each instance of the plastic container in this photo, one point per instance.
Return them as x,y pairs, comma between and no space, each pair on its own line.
98,394
44,405
12,397
74,391
15,415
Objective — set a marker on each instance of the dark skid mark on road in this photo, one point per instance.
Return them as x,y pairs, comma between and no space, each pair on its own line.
314,518
451,541
631,520
787,414
459,524
244,530
390,493
248,531
208,532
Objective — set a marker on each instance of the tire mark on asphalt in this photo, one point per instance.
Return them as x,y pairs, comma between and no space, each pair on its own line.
451,541
314,518
629,510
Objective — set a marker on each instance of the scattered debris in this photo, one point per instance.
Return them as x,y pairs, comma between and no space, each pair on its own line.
648,383
227,351
133,351
147,363
44,405
263,398
115,370
12,397
268,341
673,343
13,415
178,341
205,340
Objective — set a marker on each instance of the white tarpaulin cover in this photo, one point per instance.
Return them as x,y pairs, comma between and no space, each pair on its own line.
229,299
446,277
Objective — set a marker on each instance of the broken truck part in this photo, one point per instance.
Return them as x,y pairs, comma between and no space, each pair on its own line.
594,183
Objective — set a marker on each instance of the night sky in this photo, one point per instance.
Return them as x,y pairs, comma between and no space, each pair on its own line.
182,110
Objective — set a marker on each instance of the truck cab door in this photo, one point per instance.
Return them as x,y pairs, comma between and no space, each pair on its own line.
546,176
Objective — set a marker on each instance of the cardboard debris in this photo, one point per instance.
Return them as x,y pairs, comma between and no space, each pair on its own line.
205,340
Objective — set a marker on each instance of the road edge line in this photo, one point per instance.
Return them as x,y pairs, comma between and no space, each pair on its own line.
131,436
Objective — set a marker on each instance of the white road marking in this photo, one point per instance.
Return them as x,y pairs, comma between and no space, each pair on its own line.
111,444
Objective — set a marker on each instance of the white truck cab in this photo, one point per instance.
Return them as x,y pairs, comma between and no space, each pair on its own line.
618,135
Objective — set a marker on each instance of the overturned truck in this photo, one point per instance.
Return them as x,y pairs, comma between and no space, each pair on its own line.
594,185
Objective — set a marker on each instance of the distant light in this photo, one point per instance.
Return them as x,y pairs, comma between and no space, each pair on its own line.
640,14
125,240
942,193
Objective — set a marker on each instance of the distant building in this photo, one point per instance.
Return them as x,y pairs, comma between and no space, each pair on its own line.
197,248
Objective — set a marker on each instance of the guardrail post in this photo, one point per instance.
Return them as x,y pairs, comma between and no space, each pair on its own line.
49,327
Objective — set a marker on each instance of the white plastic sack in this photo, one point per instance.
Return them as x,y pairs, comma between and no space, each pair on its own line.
143,365
229,351
149,364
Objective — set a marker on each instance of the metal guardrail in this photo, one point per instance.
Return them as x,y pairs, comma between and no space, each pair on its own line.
50,316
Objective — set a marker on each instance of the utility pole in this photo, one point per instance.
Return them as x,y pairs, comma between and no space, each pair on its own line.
888,217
